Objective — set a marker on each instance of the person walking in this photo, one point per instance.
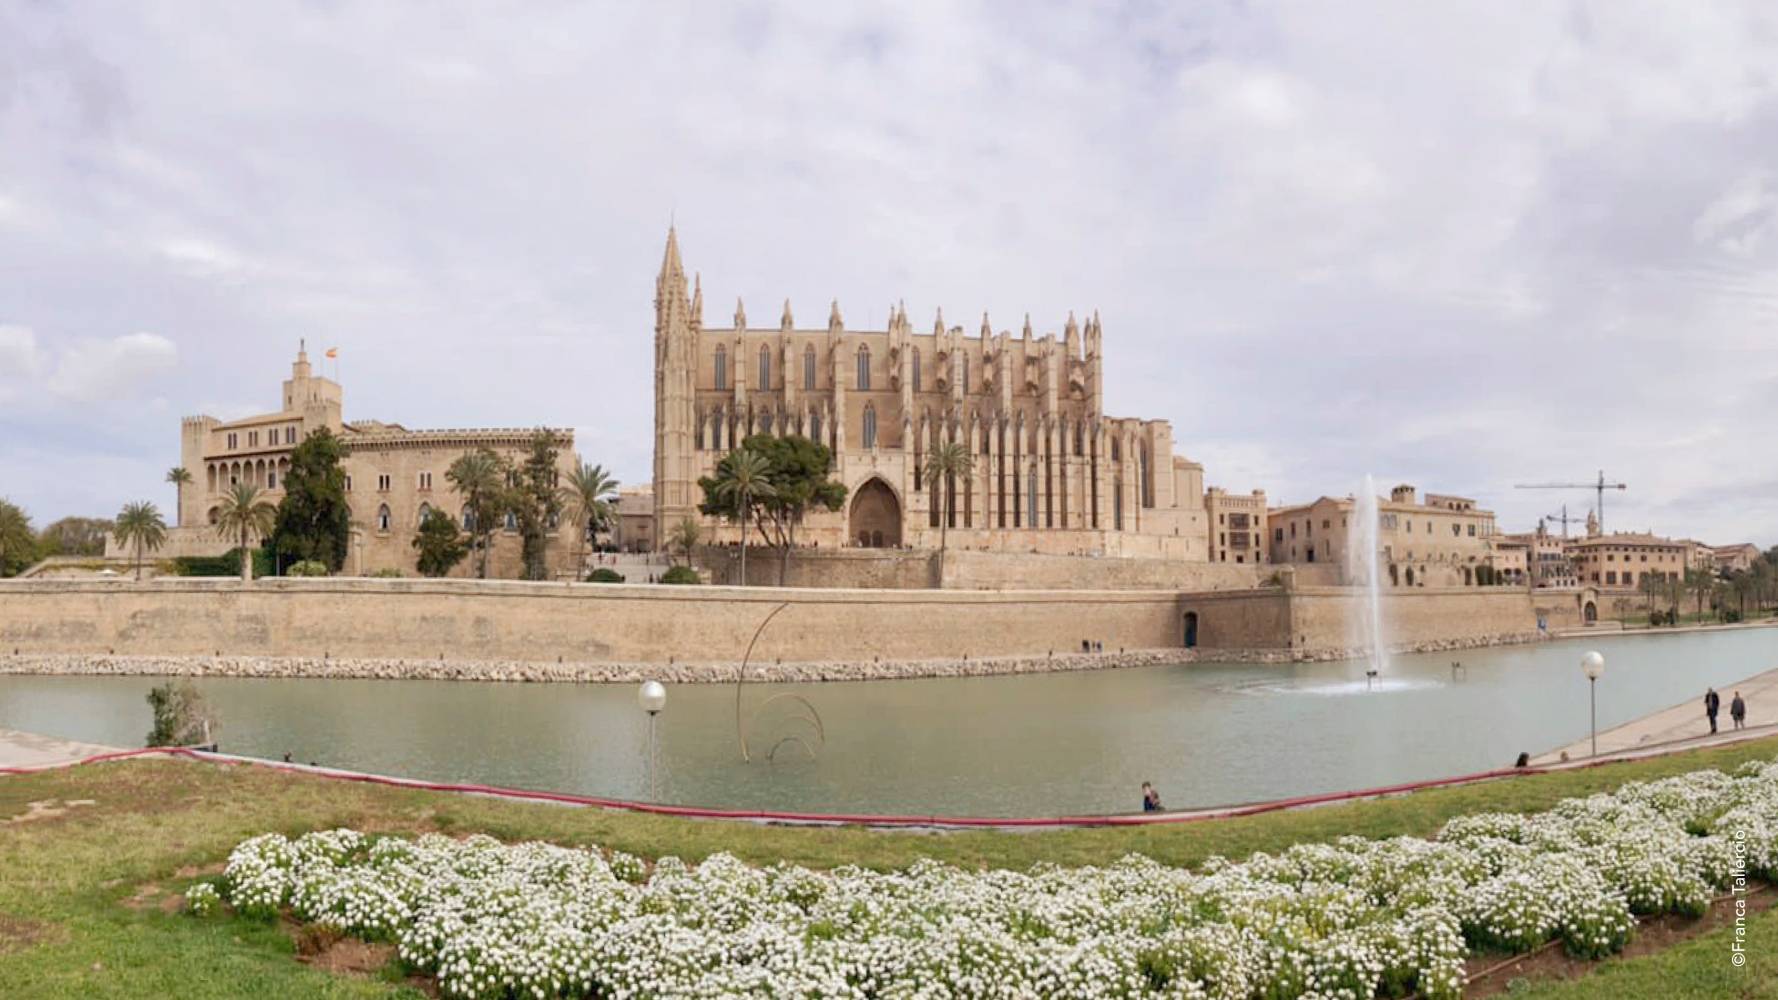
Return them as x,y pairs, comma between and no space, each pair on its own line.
1738,711
1151,799
1712,704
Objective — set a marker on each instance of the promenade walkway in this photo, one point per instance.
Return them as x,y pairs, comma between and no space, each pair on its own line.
19,749
1685,724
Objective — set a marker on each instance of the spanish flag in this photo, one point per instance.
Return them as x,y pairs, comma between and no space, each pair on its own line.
334,353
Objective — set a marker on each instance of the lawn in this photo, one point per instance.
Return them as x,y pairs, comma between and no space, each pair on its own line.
87,898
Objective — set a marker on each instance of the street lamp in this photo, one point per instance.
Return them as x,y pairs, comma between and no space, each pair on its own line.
1593,665
652,697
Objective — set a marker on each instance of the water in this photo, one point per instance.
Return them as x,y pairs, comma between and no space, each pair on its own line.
1205,734
1363,568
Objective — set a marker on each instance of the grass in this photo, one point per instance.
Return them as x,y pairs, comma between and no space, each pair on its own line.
1700,967
66,931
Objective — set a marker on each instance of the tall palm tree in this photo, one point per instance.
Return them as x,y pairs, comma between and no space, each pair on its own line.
477,478
180,478
140,526
684,537
740,480
948,462
586,498
242,516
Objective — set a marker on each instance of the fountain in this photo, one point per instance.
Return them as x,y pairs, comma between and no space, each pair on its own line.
1364,568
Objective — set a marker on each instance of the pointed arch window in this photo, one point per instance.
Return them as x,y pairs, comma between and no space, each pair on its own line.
809,367
383,517
916,365
765,423
1146,483
815,429
721,367
512,521
765,367
964,382
870,426
425,512
1031,496
863,367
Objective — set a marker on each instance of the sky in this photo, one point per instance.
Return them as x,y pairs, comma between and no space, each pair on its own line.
1461,245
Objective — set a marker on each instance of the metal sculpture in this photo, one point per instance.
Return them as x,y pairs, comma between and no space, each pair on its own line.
808,715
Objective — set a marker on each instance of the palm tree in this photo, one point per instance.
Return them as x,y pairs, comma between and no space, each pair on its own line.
585,497
140,526
684,537
243,515
180,478
477,478
948,461
740,480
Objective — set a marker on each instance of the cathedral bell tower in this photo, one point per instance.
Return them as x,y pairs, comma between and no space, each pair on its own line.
676,326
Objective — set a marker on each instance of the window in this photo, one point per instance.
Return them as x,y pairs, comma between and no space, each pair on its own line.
1457,529
1277,534
232,442
383,483
1611,577
425,509
512,521
1472,531
271,479
348,484
1410,526
1031,496
965,381
721,367
815,428
916,367
870,426
863,368
809,367
765,367
468,519
289,435
383,517
425,480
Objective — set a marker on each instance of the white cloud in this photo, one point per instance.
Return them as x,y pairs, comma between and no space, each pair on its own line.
20,357
93,370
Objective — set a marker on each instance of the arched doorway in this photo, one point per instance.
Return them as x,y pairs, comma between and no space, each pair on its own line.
1191,629
1590,613
875,521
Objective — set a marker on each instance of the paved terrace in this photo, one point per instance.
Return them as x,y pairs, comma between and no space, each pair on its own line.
1685,723
18,749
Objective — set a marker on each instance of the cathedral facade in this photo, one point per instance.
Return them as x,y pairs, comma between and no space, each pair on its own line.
1052,473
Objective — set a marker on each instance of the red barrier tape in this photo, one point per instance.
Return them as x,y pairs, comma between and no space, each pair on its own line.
771,816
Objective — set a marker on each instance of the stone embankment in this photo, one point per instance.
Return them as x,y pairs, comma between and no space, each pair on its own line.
521,671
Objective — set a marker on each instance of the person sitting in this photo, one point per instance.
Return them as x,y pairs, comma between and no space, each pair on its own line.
1151,799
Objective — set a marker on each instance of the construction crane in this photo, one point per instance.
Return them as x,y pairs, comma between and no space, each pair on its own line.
1564,520
1600,487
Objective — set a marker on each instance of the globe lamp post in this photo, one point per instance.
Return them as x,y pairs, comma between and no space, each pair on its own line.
652,697
1593,665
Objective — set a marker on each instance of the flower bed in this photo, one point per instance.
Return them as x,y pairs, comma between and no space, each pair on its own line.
1352,918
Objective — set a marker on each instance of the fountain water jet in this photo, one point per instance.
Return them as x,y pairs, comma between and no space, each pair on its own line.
1364,568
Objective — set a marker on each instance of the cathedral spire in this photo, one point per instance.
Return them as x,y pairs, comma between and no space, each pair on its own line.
786,322
833,317
987,330
938,325
1027,326
740,314
697,298
670,264
1072,328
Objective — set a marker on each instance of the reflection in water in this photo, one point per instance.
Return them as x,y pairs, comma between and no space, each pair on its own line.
1041,744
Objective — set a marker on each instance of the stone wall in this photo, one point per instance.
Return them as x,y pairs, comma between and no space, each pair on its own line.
970,570
507,620
1313,621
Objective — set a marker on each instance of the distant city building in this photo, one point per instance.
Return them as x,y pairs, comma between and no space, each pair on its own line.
1736,558
1546,558
1438,543
393,476
1053,473
632,522
1625,561
1237,525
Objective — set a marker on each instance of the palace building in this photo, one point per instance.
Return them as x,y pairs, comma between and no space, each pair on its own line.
393,476
1052,472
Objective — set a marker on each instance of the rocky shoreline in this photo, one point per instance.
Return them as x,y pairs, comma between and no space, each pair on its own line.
515,671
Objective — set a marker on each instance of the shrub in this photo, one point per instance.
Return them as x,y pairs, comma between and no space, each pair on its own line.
181,717
387,573
202,899
227,564
681,575
306,567
604,574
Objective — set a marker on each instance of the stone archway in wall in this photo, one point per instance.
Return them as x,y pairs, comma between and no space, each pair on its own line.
1589,612
875,521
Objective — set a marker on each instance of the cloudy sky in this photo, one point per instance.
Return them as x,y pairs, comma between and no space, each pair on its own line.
1462,245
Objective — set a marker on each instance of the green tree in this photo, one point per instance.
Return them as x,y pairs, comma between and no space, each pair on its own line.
948,462
18,543
243,516
314,520
799,473
537,500
140,526
440,544
478,477
74,536
1650,586
180,477
742,479
685,537
586,504
181,716
1701,583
